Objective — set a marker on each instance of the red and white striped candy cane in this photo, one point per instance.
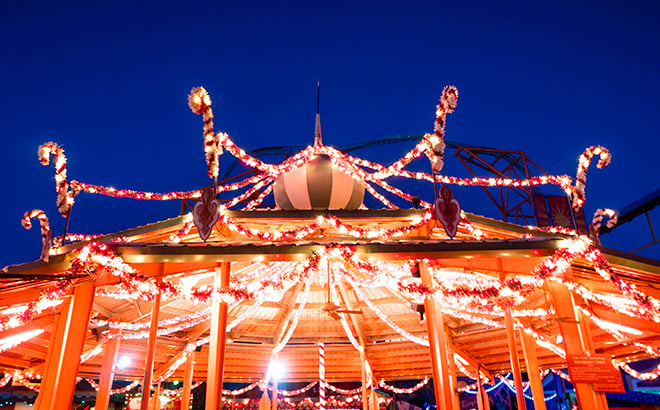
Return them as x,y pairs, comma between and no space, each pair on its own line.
322,401
199,102
447,105
64,194
45,229
598,220
581,177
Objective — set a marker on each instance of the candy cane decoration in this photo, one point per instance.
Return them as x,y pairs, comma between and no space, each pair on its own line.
594,229
598,219
199,102
45,229
447,105
64,194
322,401
581,178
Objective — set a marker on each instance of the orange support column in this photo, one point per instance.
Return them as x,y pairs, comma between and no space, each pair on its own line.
49,380
532,365
107,374
151,350
188,380
218,339
513,349
75,323
575,342
453,372
437,338
155,403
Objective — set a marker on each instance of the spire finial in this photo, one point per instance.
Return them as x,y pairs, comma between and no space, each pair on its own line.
317,129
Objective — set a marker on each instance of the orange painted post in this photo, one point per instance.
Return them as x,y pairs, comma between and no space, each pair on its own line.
374,396
77,321
110,353
52,358
453,372
515,361
218,341
513,348
574,341
532,365
482,397
188,380
155,403
151,350
586,332
437,338
365,394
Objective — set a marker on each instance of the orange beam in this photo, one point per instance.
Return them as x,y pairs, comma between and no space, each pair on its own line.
574,341
216,362
513,349
50,368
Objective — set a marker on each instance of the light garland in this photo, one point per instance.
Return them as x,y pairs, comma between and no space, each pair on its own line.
15,340
91,353
46,299
401,390
387,321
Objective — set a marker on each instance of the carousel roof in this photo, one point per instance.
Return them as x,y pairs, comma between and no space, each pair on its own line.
364,291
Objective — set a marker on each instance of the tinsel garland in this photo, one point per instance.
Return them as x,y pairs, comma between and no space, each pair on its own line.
403,390
382,316
15,341
46,299
345,392
343,321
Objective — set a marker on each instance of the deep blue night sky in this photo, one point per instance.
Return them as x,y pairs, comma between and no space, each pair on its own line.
110,83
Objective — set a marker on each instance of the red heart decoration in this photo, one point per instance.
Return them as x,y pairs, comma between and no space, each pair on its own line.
205,213
448,211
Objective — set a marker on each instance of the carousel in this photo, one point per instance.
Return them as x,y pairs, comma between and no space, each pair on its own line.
237,298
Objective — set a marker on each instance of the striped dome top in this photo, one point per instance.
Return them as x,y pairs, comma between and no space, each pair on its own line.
317,185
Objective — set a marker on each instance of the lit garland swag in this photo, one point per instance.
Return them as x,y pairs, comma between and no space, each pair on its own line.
484,297
478,296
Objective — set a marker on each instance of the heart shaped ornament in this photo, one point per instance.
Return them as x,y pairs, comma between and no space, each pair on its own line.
205,213
448,211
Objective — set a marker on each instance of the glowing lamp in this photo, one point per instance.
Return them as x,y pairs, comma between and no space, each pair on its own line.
123,362
277,369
